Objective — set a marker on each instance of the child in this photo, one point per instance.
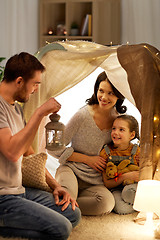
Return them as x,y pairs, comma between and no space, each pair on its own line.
125,128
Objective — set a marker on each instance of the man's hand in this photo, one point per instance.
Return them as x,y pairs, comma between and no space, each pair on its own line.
50,106
59,192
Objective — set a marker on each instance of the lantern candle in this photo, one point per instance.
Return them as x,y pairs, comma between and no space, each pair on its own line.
54,133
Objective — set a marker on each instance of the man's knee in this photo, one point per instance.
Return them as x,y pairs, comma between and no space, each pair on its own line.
64,230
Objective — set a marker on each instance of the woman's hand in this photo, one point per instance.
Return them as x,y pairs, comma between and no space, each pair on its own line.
60,192
96,162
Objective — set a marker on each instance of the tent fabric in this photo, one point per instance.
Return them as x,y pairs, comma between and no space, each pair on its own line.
142,64
69,62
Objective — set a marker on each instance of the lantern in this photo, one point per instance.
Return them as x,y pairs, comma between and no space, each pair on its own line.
54,133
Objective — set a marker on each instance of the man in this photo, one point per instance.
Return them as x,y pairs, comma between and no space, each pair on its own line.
28,212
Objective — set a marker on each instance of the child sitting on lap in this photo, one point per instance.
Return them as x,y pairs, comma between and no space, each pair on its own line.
125,128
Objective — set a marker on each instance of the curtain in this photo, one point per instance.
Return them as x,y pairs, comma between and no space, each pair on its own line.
140,22
18,24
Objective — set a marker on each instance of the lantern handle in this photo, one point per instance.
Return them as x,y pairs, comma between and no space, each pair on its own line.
54,117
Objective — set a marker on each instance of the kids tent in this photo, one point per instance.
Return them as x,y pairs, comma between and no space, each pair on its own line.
133,69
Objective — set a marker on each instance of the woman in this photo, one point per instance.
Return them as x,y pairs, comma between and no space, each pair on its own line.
81,167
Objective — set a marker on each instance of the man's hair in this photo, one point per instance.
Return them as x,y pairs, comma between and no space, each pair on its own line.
22,65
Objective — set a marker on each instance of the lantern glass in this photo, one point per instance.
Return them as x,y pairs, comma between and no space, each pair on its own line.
54,133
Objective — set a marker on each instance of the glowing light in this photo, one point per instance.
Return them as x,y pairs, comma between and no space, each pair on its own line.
149,225
158,153
147,200
50,32
155,118
156,55
147,197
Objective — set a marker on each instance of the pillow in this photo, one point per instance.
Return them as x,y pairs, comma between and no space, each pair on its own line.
33,171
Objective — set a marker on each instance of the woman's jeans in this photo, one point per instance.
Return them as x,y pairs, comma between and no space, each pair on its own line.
93,200
35,215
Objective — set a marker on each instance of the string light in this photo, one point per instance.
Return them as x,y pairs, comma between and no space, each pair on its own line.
155,118
156,55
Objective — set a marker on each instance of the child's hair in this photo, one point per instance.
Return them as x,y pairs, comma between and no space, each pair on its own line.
133,124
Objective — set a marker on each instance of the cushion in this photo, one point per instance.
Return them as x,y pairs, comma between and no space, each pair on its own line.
33,171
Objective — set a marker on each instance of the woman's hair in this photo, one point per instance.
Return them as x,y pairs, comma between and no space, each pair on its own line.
133,124
93,100
22,65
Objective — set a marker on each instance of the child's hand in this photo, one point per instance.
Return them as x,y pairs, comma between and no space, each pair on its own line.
131,176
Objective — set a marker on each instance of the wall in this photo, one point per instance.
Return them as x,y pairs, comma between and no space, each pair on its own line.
19,24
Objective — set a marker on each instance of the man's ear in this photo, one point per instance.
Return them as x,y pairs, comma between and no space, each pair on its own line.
19,82
133,135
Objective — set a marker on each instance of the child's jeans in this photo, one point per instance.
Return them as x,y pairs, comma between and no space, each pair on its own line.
35,215
124,199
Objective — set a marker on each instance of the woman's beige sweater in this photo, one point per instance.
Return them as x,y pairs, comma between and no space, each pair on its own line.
82,135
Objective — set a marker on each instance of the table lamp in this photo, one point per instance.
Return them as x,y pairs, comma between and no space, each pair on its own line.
147,199
54,133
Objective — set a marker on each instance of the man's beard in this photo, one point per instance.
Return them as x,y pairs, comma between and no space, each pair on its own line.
20,96
21,99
